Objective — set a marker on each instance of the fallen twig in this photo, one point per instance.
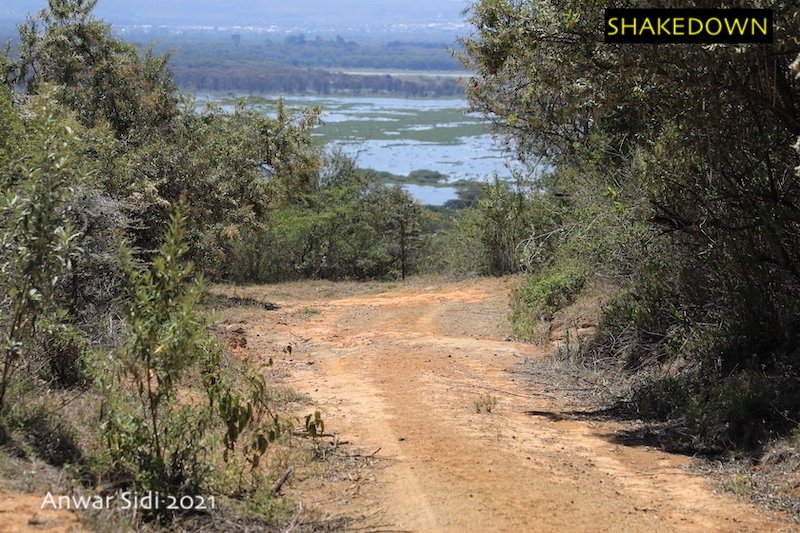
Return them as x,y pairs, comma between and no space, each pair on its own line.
304,339
281,480
302,433
527,394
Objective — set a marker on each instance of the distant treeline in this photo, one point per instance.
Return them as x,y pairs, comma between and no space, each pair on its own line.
303,65
197,49
260,77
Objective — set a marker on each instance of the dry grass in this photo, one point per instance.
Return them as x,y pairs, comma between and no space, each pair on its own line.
485,403
300,291
599,388
306,291
771,480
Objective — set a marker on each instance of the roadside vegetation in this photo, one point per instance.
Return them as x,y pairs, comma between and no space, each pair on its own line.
674,190
673,205
120,201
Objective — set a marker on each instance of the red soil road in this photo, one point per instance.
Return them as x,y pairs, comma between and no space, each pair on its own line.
23,512
400,369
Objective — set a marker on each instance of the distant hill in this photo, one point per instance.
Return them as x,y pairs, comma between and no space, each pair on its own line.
332,15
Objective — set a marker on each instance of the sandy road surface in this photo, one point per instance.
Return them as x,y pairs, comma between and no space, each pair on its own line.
400,370
23,513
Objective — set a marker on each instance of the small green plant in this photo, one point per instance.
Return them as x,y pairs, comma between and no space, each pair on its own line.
240,412
741,484
314,424
149,432
36,240
570,347
485,403
306,312
156,431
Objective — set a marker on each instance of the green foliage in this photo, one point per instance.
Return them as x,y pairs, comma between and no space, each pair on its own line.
717,178
68,351
10,126
150,433
742,410
503,226
151,145
347,226
489,238
542,294
674,181
243,406
36,241
101,78
96,77
155,435
234,169
398,218
94,159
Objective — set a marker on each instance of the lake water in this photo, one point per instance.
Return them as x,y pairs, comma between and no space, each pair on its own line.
399,135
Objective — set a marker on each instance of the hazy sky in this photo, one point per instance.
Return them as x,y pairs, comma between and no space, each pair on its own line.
310,13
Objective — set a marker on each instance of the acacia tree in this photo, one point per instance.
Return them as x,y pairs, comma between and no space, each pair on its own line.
100,77
399,219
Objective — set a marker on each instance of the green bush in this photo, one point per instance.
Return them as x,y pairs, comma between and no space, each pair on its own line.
347,227
742,410
37,242
490,237
679,183
542,294
159,439
66,352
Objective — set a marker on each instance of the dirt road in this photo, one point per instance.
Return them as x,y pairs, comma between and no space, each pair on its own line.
404,370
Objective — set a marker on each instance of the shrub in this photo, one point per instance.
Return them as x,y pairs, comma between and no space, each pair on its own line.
36,240
158,432
66,352
348,227
542,294
741,410
489,238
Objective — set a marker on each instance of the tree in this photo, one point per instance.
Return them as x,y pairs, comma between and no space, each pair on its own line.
100,77
152,145
399,219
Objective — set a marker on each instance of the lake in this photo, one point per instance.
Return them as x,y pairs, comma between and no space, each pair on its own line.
399,135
